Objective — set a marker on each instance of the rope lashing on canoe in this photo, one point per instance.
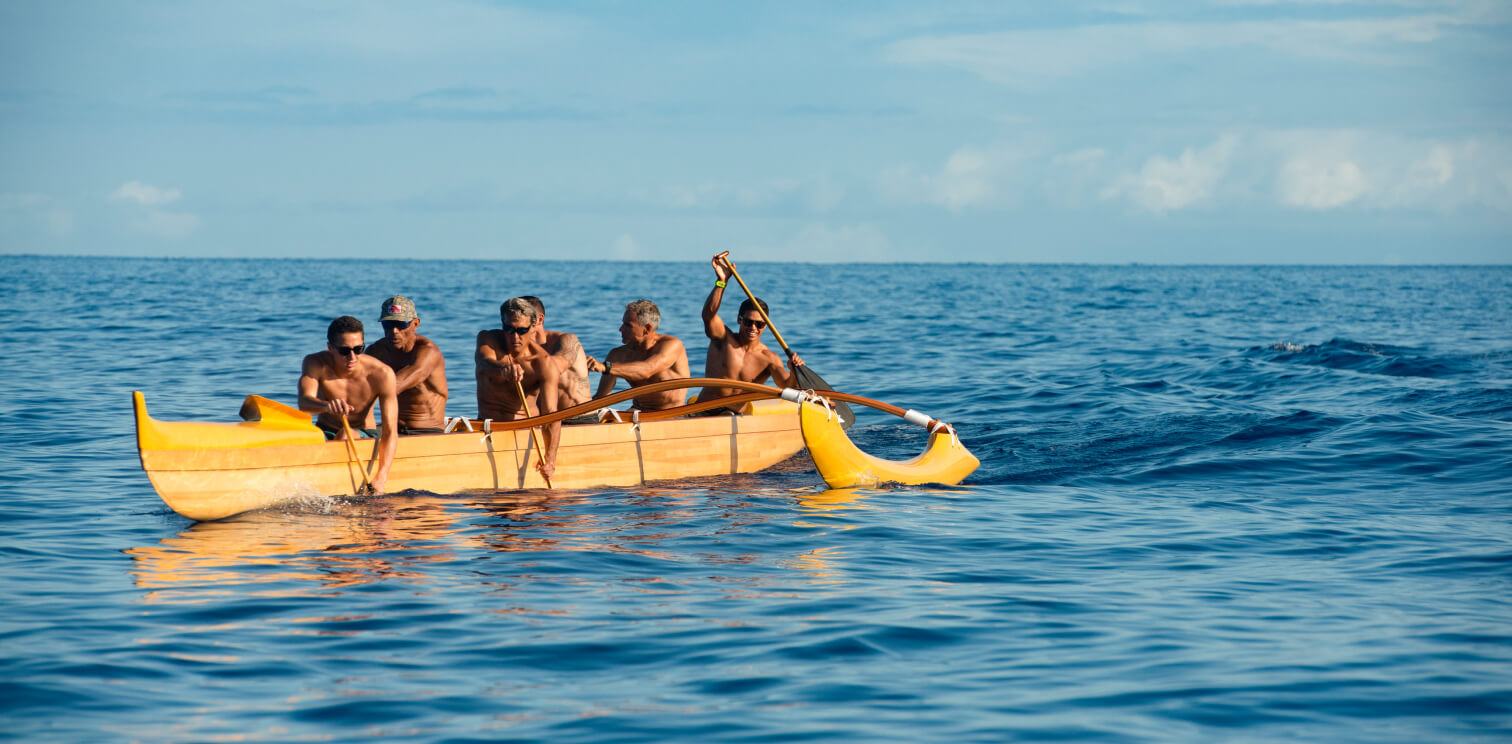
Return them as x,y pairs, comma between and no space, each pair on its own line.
609,414
453,423
793,395
488,428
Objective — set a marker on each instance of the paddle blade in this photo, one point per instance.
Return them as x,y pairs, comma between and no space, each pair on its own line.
809,380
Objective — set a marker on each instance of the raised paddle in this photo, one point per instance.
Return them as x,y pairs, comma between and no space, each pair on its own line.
351,446
805,378
526,403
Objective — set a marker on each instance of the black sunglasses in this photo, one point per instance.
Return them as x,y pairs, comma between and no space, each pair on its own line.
389,325
345,350
518,331
757,324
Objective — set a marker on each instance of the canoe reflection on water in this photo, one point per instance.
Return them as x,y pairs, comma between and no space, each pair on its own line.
413,537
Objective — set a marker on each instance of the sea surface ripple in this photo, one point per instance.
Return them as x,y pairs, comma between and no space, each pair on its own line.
1215,504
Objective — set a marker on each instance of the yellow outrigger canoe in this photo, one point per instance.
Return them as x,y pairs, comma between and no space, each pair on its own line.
208,471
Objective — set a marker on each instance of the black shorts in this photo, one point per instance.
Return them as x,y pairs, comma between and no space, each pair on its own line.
332,434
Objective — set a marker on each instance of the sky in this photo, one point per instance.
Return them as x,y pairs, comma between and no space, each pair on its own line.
1223,132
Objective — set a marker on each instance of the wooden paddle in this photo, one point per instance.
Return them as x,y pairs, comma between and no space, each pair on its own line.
526,404
806,378
351,446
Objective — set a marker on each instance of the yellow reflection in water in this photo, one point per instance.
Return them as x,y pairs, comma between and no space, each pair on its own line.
325,550
292,553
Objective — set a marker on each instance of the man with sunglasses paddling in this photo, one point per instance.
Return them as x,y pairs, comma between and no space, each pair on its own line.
509,355
740,354
343,383
419,369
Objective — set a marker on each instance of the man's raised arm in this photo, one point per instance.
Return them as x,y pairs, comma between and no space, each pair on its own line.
714,327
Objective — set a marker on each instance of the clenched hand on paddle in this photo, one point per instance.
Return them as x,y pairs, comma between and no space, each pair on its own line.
806,378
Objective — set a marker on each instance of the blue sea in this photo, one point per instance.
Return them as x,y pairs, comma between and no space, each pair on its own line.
1242,504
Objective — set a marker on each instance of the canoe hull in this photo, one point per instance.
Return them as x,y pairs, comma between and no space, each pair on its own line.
217,481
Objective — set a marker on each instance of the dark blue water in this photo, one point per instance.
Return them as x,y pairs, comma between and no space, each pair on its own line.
1215,504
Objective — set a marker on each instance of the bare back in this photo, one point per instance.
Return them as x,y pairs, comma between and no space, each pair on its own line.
572,367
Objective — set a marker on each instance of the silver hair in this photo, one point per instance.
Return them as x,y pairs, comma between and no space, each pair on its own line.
517,306
645,313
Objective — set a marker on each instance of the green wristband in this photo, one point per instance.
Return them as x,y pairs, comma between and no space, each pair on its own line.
719,283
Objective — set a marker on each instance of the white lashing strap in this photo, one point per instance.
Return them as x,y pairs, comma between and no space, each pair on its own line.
452,423
605,414
809,396
916,418
947,427
488,427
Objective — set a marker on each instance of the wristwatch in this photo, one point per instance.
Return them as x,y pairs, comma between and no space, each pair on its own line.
607,365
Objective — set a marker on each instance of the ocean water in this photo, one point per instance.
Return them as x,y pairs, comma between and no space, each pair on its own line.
1215,504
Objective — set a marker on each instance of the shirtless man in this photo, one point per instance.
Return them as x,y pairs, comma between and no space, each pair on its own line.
507,356
341,382
646,357
739,356
419,369
567,352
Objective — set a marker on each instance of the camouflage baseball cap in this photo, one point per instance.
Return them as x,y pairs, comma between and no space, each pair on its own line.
398,308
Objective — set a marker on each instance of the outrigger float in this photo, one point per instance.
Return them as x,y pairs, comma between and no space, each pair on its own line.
207,471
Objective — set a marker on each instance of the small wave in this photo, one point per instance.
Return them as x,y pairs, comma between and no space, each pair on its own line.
1371,358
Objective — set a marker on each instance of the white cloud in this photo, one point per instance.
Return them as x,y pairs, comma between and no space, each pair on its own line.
1329,169
1320,184
144,216
1038,56
625,248
970,177
1164,184
137,192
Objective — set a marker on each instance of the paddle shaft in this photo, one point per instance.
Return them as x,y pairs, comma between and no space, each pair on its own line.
536,446
351,447
725,257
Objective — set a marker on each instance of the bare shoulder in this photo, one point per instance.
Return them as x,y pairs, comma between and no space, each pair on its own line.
379,375
375,368
314,365
566,341
426,346
618,354
669,342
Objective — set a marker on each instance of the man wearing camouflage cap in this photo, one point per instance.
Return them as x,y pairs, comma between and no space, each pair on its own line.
419,368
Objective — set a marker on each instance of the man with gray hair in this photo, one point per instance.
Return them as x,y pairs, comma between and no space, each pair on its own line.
508,361
646,357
